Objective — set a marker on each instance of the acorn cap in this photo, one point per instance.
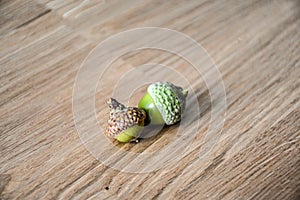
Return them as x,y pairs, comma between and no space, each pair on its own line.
169,100
123,119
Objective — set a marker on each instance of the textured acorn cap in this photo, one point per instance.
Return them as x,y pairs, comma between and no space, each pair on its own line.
169,100
122,118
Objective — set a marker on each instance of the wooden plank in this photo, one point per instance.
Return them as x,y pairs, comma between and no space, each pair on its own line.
255,45
18,13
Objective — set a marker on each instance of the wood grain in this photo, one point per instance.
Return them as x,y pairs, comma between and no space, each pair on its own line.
256,46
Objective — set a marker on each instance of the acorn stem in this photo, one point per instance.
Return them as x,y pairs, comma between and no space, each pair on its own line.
185,92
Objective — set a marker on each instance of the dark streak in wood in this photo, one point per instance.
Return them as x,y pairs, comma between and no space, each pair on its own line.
33,19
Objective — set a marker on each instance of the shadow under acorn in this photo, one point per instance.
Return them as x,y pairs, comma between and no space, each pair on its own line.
151,136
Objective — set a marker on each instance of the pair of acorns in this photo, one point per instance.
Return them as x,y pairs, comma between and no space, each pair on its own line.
163,103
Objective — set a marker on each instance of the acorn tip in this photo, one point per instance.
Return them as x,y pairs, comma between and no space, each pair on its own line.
185,92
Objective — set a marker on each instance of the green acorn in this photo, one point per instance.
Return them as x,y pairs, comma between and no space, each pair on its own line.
164,103
125,123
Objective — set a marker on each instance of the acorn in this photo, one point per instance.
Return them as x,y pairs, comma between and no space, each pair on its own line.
125,123
164,103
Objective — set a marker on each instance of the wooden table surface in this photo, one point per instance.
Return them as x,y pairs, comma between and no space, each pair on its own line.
255,46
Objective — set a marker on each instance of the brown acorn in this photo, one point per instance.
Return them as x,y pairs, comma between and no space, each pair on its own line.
125,123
